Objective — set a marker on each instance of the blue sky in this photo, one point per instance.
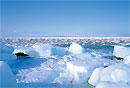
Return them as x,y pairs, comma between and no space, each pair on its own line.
65,18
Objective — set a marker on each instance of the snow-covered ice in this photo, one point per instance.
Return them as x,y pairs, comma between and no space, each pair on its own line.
81,70
95,77
107,84
75,48
127,60
68,63
113,73
44,50
120,51
34,75
116,73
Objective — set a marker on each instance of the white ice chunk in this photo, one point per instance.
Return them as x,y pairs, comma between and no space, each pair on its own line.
95,77
113,73
75,48
44,50
78,71
127,60
120,75
32,53
120,51
7,78
108,84
81,70
116,73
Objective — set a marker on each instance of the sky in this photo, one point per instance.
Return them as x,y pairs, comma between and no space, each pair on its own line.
101,18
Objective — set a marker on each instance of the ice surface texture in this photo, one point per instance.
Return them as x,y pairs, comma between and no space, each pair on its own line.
6,49
70,65
114,73
105,84
127,59
7,78
75,48
6,54
113,76
120,51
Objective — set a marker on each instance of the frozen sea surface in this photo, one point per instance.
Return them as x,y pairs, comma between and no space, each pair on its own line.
64,62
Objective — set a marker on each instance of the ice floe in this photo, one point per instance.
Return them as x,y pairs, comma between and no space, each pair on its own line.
75,48
114,73
81,70
95,77
120,51
44,50
69,65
